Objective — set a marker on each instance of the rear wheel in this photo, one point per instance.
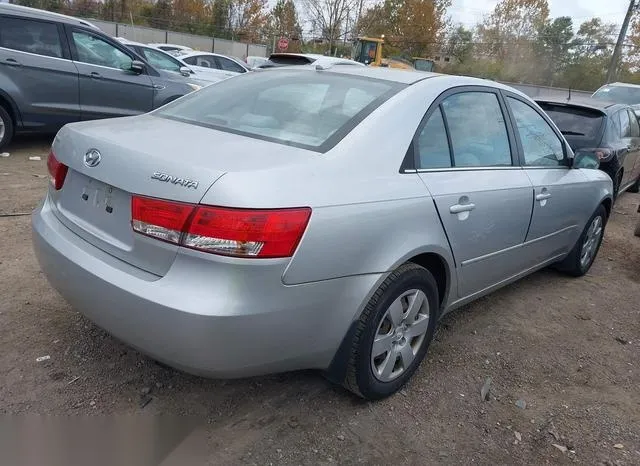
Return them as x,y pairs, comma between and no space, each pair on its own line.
637,230
393,333
581,257
616,185
6,127
635,187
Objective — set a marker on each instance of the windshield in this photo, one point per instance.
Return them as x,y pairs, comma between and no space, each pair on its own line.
310,109
619,94
575,121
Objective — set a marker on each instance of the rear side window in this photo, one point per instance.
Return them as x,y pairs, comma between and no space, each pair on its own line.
625,124
94,50
477,130
25,35
202,60
433,146
540,144
575,121
310,110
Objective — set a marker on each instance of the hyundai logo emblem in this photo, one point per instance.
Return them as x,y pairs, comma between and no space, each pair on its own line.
92,157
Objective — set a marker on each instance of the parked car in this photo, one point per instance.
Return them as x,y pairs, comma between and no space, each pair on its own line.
165,61
254,61
56,69
172,48
306,240
604,128
293,59
203,61
620,93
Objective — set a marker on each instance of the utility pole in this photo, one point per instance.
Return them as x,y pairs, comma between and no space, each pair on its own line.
613,66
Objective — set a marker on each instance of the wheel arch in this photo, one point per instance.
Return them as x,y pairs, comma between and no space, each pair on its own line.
11,108
438,261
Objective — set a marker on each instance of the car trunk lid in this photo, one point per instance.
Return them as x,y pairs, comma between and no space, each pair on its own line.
146,156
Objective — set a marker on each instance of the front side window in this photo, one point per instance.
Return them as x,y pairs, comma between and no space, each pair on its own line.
477,129
161,60
432,143
229,65
540,144
96,51
625,124
25,35
309,110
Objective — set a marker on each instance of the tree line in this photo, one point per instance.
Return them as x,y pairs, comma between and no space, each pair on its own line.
517,41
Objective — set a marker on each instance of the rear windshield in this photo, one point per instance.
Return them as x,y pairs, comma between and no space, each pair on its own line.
619,94
574,121
308,109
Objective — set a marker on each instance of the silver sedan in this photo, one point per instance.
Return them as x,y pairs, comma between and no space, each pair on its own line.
327,219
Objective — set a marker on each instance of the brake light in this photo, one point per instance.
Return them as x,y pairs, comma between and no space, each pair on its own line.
57,171
261,233
159,219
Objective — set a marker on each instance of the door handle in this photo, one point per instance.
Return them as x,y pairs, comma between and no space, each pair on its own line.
459,208
542,196
95,75
12,62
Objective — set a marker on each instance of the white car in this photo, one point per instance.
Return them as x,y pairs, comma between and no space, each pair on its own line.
163,60
255,62
291,59
172,48
202,61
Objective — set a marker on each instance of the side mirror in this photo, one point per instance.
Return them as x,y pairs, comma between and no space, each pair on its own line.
137,67
586,159
185,71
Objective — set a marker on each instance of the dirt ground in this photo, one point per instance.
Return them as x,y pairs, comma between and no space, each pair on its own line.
568,348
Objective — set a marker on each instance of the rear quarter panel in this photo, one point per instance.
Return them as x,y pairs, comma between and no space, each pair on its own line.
367,217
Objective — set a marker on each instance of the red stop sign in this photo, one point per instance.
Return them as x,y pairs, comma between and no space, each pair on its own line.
283,43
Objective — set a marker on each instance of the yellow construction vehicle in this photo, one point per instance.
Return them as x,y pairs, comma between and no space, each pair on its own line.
368,50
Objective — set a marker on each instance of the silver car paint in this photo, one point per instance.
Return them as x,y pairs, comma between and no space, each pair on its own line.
232,317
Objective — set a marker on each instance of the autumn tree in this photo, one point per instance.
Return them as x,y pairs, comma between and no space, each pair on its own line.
329,17
249,18
422,23
284,22
553,45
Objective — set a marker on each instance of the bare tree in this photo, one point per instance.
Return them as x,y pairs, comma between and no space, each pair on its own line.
329,16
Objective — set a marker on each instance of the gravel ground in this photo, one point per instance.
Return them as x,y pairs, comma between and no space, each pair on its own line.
563,355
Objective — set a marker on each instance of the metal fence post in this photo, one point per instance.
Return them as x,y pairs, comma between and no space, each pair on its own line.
213,44
166,37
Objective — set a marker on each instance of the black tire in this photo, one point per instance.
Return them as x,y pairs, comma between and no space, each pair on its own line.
637,230
7,123
360,378
572,264
635,187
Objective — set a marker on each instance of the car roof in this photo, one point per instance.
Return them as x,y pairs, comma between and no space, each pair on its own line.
26,12
315,57
619,84
604,106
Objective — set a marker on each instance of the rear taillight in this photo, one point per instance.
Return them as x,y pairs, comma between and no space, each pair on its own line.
263,233
57,171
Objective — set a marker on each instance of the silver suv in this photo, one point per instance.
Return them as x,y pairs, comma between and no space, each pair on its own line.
55,69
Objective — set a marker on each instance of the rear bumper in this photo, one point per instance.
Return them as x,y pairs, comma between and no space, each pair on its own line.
222,318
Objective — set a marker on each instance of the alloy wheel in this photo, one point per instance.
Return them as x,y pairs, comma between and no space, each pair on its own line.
400,335
591,241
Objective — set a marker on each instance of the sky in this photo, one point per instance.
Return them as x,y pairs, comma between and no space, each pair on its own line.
470,12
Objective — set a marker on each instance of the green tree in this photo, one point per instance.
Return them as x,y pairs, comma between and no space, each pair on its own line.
553,48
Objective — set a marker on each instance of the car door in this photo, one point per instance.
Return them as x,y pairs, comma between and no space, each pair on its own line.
629,149
558,209
35,68
465,156
632,142
108,87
